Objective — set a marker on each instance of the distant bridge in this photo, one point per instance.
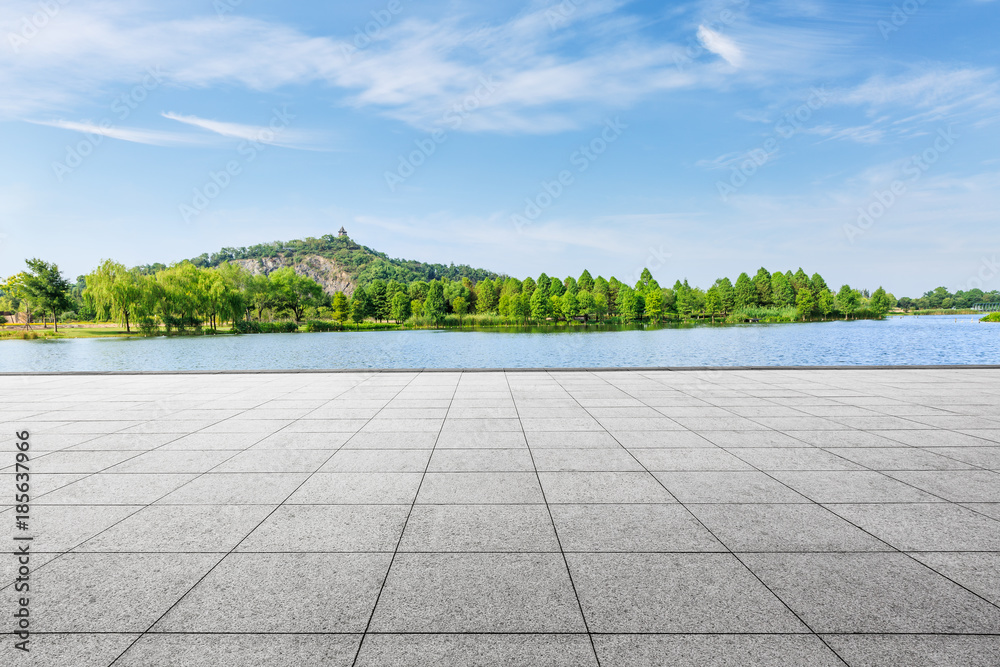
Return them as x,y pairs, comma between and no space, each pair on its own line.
987,306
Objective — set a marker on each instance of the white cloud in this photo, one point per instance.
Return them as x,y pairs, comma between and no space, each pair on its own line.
721,46
132,134
276,133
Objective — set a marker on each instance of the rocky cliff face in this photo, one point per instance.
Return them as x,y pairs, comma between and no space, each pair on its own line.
325,271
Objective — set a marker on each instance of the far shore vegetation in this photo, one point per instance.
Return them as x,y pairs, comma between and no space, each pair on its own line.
225,297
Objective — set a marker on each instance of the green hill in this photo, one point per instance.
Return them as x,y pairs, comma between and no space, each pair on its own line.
336,262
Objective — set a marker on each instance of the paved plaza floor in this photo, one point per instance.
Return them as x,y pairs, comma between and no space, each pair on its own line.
731,517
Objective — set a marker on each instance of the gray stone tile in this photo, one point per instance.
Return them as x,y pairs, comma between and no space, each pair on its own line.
111,592
301,460
978,572
187,528
173,461
245,488
916,650
925,526
988,509
477,488
481,460
703,459
872,593
571,440
510,528
843,439
969,486
603,487
628,528
113,489
783,527
794,458
358,488
461,650
304,592
398,440
77,649
751,439
855,486
58,528
714,651
74,461
285,441
378,460
899,458
585,460
615,424
194,650
700,593
478,593
482,439
727,487
661,439
984,457
328,528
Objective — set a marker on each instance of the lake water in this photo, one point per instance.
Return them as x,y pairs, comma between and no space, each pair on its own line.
895,341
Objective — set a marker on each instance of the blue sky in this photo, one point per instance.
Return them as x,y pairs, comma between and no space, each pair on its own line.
857,139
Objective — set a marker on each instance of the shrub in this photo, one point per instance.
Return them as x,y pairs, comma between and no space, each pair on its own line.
245,327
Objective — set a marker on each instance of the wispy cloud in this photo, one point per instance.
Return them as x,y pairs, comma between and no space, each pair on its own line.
276,135
720,45
132,134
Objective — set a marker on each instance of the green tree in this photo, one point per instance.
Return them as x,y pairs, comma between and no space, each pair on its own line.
434,304
848,300
628,304
727,295
600,306
713,300
379,295
826,302
585,301
341,307
762,283
460,307
115,292
880,302
400,307
805,303
46,288
782,293
540,304
295,291
360,305
570,305
585,283
745,296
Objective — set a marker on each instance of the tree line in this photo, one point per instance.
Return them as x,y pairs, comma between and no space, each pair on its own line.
186,295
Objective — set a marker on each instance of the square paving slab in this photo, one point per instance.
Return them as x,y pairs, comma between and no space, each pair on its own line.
608,518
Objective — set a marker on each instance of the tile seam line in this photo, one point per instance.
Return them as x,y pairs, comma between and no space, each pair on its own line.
552,522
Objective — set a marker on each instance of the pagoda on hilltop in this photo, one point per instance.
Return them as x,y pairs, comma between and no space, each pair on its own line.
342,232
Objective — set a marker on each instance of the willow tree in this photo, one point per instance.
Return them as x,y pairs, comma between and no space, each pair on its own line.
117,293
